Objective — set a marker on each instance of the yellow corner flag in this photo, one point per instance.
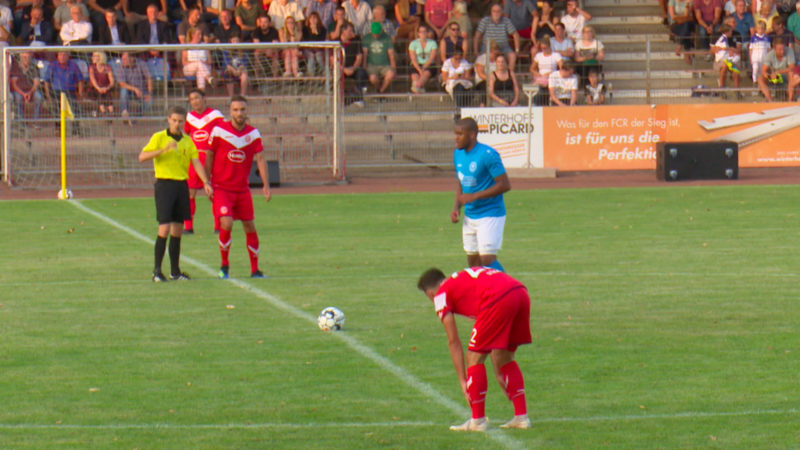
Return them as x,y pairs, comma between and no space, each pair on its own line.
66,112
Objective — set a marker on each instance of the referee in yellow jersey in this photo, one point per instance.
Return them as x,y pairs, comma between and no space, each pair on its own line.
171,152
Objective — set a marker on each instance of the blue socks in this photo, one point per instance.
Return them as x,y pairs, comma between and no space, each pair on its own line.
497,266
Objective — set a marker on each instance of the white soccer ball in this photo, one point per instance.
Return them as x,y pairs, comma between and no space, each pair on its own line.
61,195
331,319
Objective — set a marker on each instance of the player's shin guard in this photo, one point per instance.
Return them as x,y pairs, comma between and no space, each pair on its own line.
189,224
252,250
476,388
175,255
497,266
160,249
515,387
224,245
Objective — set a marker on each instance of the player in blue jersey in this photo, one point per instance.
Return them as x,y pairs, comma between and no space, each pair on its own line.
482,180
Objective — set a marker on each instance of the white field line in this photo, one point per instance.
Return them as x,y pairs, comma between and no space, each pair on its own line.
456,408
398,424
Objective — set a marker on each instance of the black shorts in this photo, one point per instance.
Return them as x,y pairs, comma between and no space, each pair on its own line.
172,201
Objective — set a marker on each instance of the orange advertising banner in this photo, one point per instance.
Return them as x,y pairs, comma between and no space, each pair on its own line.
625,137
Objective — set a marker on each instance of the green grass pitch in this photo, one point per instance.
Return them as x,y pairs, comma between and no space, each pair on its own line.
662,318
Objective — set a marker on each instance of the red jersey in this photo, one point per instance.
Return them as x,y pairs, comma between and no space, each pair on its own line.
472,290
199,126
233,155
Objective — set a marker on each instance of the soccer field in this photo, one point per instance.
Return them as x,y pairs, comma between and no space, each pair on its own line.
662,317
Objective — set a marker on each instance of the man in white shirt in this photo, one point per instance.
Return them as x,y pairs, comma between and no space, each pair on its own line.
563,86
574,20
281,9
78,30
359,14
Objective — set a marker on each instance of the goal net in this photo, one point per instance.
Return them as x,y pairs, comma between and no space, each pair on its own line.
296,109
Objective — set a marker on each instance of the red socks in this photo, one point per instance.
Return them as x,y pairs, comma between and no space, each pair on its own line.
252,250
476,388
189,224
515,387
224,245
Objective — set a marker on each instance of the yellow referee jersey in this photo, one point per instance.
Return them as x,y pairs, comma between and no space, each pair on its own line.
174,164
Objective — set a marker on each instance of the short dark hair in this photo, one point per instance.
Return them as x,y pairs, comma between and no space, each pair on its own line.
196,91
238,98
468,123
179,110
778,40
430,279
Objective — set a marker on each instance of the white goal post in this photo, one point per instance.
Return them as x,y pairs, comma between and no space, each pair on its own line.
298,114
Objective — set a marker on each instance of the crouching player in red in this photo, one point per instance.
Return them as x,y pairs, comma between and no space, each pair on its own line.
501,308
199,123
233,145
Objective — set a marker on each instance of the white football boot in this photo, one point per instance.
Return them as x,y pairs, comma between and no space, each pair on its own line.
472,425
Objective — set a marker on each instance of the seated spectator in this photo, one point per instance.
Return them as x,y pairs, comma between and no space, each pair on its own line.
359,14
192,20
574,19
77,31
545,62
779,31
324,9
314,31
681,20
779,65
197,62
589,53
97,14
422,54
387,25
765,13
708,16
451,41
36,31
758,49
24,15
25,83
113,32
497,28
457,78
744,23
460,16
339,20
63,13
484,65
152,30
379,54
408,14
561,44
64,76
544,22
265,32
563,86
135,11
234,68
133,77
785,7
522,14
437,13
503,86
594,91
226,28
213,8
281,9
101,84
245,14
352,64
291,32
727,56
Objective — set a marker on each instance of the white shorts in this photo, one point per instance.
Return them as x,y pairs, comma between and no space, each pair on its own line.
483,236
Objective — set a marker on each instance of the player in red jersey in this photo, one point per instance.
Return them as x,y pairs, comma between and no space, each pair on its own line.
199,123
501,309
233,145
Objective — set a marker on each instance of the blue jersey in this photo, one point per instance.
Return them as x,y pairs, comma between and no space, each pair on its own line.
476,171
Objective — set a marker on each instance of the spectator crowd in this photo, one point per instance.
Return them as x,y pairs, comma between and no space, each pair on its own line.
471,49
